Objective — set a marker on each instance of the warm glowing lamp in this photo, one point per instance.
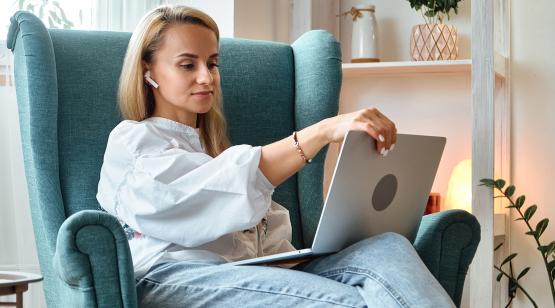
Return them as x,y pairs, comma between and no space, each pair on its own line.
459,190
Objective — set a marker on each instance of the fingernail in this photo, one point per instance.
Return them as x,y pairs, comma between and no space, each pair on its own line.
385,153
382,151
392,147
381,138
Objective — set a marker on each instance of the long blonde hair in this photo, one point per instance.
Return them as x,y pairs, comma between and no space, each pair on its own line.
136,100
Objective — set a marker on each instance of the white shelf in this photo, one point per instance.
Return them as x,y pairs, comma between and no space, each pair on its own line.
353,70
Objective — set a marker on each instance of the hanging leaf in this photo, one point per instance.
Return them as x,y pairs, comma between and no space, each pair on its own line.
547,249
520,201
524,271
533,233
500,183
498,246
509,258
499,277
487,182
551,268
530,212
509,192
541,226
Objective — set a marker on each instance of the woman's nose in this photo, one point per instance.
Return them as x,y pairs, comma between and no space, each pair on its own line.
204,75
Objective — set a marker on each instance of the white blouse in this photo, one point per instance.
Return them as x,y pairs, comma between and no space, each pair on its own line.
177,202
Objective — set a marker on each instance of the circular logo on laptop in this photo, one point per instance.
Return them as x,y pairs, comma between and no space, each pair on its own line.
384,192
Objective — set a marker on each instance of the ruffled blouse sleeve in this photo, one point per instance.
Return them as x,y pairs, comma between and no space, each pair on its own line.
184,197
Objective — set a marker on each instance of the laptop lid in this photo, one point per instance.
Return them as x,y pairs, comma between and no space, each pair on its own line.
370,194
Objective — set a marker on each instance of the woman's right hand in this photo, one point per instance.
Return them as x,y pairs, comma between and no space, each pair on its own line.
369,120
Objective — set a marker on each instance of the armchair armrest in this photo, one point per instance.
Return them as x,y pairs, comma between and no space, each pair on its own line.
446,242
93,258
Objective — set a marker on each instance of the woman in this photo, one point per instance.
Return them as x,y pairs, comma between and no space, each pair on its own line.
190,202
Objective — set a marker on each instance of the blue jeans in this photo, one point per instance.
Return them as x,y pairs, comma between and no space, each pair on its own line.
381,271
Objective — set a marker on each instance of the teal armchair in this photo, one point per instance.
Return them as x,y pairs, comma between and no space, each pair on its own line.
66,83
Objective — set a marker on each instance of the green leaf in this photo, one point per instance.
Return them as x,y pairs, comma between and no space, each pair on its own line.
500,183
530,212
541,226
509,258
499,277
509,192
487,182
551,268
430,13
498,246
522,273
531,233
520,218
520,201
551,248
547,249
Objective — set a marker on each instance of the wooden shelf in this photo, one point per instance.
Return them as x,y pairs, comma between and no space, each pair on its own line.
406,67
353,70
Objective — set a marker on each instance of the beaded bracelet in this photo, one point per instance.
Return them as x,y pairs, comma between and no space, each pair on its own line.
298,147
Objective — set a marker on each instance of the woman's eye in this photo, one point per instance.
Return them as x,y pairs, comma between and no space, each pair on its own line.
213,65
187,66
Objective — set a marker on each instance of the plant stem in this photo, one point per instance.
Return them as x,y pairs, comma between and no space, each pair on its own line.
544,256
517,284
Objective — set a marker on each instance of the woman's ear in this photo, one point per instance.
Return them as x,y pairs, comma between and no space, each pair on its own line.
145,65
147,77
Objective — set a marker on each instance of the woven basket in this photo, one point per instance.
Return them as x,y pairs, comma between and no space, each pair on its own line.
432,42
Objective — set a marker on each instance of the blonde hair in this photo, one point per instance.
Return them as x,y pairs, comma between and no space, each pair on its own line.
135,98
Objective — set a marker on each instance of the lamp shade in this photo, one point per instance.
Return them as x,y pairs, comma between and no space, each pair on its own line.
459,189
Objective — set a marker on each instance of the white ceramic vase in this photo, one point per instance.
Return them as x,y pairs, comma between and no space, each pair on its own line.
364,42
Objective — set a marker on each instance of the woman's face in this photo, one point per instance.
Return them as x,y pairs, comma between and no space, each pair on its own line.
186,69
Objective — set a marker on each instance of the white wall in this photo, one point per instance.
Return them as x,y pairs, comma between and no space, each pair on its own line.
255,19
533,134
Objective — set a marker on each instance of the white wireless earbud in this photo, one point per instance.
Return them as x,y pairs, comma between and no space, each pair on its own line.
150,80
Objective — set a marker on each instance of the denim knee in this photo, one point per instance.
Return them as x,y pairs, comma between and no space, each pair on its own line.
387,239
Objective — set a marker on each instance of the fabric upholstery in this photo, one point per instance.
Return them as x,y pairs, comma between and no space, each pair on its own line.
66,83
446,242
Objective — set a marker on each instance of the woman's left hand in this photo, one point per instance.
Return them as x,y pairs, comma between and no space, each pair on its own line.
369,120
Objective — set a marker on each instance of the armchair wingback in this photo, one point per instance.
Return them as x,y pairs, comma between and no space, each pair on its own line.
66,83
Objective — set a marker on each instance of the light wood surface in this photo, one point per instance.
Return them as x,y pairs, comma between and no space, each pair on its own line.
16,283
483,83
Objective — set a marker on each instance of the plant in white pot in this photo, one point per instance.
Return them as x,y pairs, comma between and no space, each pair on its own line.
434,40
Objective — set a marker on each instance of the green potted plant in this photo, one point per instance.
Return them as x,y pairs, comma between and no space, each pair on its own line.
546,250
434,40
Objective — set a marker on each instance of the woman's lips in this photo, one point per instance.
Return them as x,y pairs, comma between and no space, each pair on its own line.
202,93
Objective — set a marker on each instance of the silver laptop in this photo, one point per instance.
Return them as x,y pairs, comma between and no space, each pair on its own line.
370,194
